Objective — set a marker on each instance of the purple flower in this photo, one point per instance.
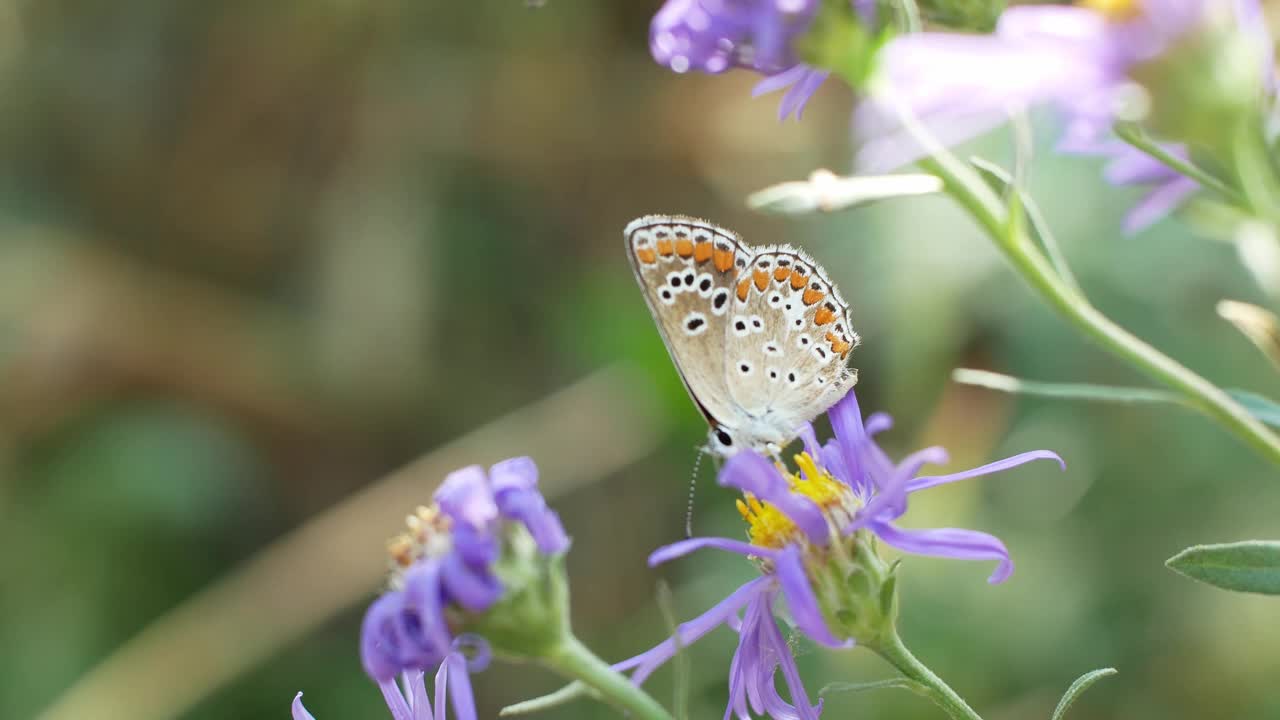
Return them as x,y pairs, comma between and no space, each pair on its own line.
1078,60
409,700
446,569
714,36
846,488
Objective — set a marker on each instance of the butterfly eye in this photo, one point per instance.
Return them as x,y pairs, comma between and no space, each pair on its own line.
724,438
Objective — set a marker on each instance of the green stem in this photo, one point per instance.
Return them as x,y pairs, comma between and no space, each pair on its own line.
1134,135
893,650
975,196
572,659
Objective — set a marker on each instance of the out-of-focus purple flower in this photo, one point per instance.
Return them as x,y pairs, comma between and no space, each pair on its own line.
1079,60
714,36
445,565
409,700
845,488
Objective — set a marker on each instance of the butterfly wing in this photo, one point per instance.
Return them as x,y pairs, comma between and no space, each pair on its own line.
686,269
787,340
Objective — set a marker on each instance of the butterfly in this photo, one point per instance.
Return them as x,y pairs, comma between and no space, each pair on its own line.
759,336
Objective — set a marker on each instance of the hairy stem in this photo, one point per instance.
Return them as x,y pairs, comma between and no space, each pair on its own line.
572,659
893,650
975,196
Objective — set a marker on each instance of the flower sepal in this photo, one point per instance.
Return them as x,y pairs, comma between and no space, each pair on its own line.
532,617
864,607
844,41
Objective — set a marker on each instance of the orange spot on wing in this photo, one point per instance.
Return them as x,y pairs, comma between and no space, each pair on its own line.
812,296
744,287
837,345
664,248
762,279
702,251
781,274
797,280
723,259
684,247
647,255
823,316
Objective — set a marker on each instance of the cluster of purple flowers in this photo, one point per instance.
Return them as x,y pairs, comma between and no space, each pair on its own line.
445,569
848,485
1080,60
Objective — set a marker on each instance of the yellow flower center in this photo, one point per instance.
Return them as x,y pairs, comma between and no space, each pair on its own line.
1115,10
767,526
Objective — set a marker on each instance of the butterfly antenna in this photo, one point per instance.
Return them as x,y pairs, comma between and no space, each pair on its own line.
693,485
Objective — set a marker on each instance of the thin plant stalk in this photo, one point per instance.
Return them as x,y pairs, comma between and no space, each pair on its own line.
572,659
891,648
967,188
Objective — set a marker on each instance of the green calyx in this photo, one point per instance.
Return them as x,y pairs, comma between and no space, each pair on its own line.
531,619
839,41
857,592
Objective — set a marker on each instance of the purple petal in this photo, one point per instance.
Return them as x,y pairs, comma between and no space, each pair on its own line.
789,569
810,439
737,704
748,658
464,702
891,501
1158,204
960,86
477,546
300,712
846,423
751,473
515,489
530,508
832,459
693,630
878,422
465,496
779,81
395,700
949,543
1131,166
684,547
519,473
442,689
416,689
798,96
473,588
781,653
423,591
382,645
929,481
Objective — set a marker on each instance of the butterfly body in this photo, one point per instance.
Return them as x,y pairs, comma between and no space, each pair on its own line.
760,336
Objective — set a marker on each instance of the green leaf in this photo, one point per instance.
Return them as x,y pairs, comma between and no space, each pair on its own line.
1248,566
1081,684
565,694
1068,391
889,594
904,683
1266,410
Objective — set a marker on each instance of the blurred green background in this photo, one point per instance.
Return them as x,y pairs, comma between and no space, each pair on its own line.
255,256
